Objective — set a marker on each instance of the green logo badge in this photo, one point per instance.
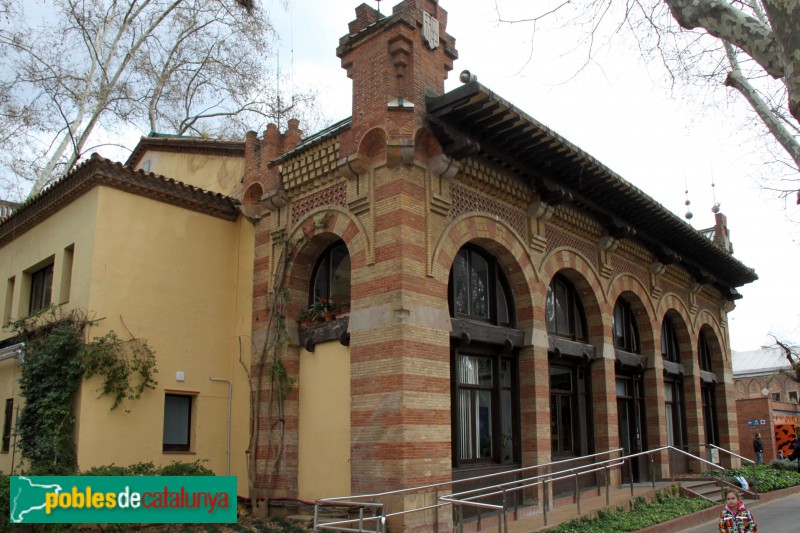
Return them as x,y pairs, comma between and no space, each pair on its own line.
122,500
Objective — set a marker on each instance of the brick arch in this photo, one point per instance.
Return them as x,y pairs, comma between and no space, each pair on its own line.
675,308
580,272
252,195
310,237
498,238
373,145
705,322
741,389
631,289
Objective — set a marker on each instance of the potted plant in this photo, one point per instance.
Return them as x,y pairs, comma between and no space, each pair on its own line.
327,309
307,316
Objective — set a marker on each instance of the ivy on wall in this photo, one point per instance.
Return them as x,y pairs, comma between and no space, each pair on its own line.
58,357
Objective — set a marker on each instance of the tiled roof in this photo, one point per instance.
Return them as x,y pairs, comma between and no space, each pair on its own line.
758,362
473,121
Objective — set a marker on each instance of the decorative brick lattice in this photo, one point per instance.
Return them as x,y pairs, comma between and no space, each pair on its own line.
487,180
573,219
311,164
668,286
335,195
466,201
620,266
558,238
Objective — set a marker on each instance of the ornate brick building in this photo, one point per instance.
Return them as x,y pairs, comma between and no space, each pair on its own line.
511,300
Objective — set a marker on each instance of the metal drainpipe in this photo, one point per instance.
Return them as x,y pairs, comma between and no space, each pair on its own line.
230,396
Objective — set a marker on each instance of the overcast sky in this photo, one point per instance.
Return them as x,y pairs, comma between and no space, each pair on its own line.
616,109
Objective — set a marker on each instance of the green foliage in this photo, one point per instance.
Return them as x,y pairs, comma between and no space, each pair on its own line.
5,504
664,507
57,359
149,469
766,478
116,361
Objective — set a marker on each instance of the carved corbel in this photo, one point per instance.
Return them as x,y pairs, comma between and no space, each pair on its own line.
657,269
351,166
539,212
607,243
275,199
443,166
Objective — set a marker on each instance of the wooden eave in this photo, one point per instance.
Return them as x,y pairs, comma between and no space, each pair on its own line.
472,121
98,171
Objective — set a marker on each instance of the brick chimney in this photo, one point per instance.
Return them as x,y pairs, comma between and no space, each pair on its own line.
258,155
393,61
722,237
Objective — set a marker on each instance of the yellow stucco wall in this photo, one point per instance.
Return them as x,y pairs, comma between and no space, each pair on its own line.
324,432
210,172
71,228
180,280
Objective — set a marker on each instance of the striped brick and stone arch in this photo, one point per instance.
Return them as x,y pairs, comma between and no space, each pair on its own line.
313,235
706,324
630,288
500,240
580,272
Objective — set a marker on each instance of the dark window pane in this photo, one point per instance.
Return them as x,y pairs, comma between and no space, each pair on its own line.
321,282
484,417
340,275
566,424
507,444
41,289
562,309
554,417
550,310
177,422
465,424
461,284
479,289
503,314
7,424
560,379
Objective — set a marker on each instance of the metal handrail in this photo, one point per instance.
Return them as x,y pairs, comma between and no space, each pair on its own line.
357,501
731,453
339,499
551,477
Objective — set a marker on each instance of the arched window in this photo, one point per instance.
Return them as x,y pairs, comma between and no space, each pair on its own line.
626,333
563,310
478,289
669,341
485,412
330,279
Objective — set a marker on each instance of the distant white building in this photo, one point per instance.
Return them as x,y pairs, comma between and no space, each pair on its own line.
766,401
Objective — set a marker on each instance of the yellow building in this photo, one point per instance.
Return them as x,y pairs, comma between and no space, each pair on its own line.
167,262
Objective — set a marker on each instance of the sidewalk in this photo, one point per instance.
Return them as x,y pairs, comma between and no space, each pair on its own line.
776,511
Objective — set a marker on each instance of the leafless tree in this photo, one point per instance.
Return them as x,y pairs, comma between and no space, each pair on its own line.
792,354
750,46
75,69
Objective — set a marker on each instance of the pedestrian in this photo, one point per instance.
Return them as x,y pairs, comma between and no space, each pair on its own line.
735,518
780,455
758,447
